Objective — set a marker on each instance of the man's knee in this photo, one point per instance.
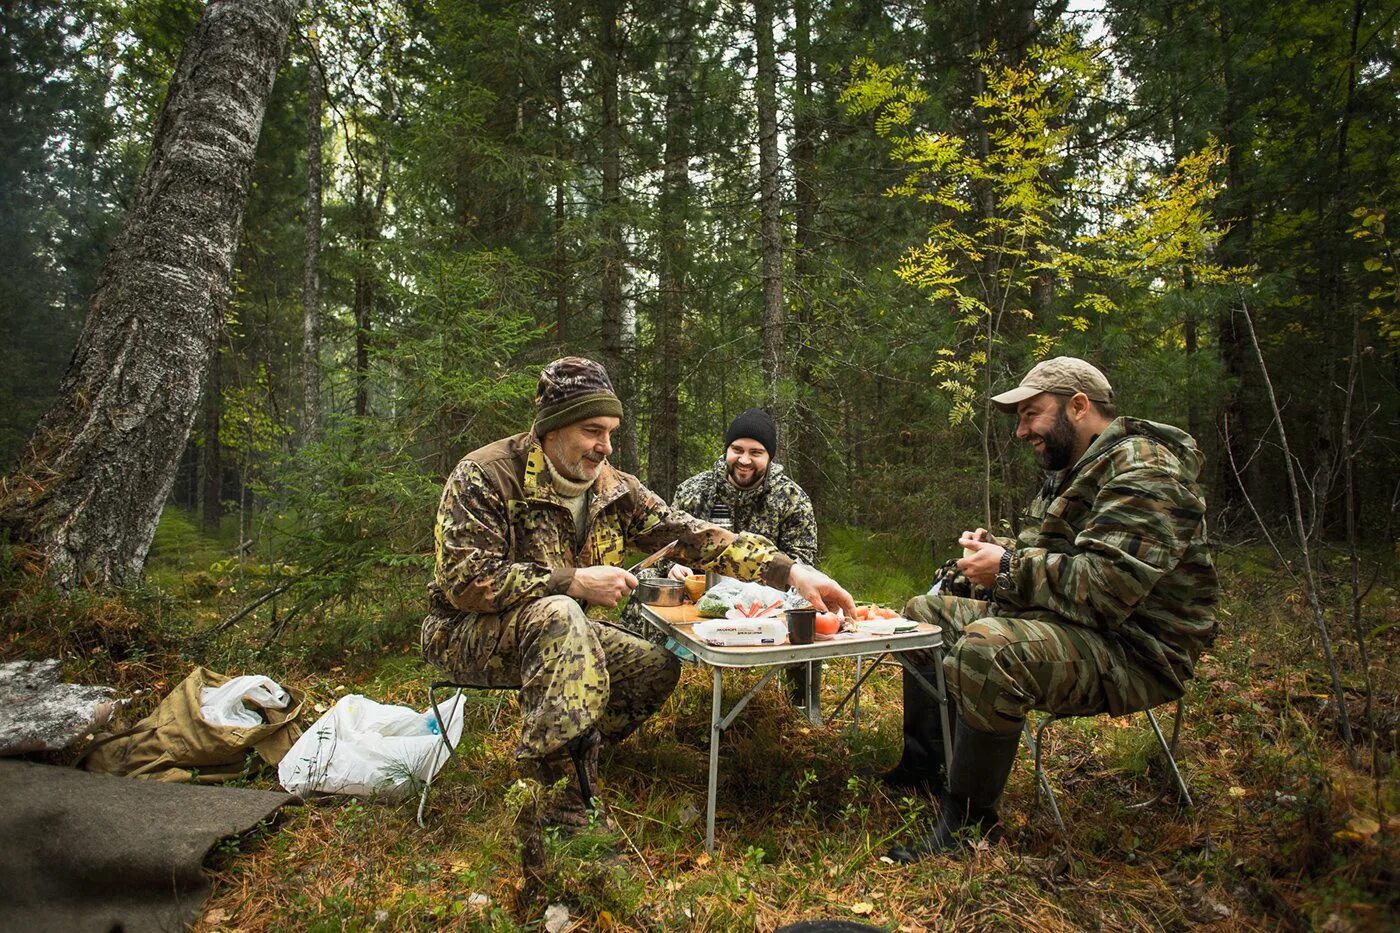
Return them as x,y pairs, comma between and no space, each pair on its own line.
558,617
990,633
986,663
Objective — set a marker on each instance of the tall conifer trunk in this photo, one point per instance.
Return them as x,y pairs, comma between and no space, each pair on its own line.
90,487
616,339
770,209
802,443
663,458
311,271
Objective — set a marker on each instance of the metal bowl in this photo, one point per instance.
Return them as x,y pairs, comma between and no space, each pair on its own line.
661,592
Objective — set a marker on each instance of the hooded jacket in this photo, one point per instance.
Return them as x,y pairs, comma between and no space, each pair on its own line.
775,507
1117,543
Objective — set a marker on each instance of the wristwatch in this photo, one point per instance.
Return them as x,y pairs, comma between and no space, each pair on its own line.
1003,580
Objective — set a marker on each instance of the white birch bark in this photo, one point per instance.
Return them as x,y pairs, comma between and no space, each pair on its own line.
90,488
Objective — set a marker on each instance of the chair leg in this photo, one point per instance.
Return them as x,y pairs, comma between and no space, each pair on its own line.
1169,749
1042,783
442,732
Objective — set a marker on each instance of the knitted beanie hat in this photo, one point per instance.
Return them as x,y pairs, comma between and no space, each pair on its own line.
571,389
755,424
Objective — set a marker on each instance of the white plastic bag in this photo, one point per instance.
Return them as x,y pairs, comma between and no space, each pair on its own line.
728,593
223,705
370,749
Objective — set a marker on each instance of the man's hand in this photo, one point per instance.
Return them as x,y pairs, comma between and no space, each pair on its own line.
679,572
602,586
820,590
982,564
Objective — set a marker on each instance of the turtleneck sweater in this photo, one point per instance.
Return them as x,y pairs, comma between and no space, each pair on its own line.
574,496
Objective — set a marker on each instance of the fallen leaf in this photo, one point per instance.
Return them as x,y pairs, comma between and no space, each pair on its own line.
606,921
863,908
702,860
1363,826
216,916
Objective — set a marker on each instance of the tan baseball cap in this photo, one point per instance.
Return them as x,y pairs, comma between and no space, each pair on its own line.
1063,375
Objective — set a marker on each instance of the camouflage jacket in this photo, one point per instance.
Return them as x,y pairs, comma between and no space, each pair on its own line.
1117,543
503,536
776,507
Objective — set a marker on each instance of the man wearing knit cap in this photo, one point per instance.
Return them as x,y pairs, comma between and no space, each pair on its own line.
533,528
763,500
1101,605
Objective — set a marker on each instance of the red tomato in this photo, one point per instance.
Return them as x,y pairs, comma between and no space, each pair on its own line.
828,623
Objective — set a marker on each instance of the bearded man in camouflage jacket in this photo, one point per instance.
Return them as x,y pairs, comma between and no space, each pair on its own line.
762,499
1101,605
533,528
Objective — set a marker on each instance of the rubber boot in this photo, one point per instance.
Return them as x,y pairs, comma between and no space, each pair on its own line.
921,765
583,750
981,765
576,762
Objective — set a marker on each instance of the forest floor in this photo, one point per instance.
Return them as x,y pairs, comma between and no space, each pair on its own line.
1285,833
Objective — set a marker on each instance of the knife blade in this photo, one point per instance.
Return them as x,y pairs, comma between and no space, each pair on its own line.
652,558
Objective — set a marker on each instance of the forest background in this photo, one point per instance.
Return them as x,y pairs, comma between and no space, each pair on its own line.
860,215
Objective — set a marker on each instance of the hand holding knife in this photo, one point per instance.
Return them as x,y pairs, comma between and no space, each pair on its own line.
652,558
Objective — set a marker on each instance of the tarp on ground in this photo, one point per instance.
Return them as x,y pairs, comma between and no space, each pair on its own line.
82,851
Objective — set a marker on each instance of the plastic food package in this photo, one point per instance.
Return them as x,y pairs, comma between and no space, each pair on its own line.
728,633
223,705
724,595
366,748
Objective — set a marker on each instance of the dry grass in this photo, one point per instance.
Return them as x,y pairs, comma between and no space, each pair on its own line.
800,830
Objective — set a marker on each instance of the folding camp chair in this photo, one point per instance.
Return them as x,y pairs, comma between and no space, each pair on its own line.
442,725
1168,749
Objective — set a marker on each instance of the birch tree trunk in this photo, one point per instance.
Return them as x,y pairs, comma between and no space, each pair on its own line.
770,208
88,491
311,272
212,487
662,461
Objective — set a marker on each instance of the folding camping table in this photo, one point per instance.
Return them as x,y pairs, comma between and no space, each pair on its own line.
677,622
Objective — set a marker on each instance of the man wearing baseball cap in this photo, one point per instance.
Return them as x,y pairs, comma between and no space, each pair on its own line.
533,528
1101,605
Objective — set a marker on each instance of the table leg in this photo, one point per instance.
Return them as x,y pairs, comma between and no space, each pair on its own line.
855,704
939,693
814,699
943,702
716,733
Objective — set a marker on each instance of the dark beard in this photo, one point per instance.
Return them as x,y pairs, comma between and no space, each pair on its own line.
757,478
1058,450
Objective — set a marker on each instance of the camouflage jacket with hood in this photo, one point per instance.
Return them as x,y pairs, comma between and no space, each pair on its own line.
1117,543
504,537
775,507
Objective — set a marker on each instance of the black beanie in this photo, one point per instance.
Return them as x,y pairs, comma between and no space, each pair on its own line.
754,423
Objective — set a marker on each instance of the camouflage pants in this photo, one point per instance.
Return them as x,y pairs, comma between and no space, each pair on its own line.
573,672
1001,667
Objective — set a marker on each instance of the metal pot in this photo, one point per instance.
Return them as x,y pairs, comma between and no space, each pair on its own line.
661,592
